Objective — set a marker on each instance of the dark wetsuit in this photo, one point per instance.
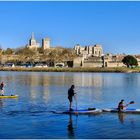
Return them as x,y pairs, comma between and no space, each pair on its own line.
1,86
71,94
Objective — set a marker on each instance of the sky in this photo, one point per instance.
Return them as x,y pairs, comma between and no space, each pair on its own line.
113,24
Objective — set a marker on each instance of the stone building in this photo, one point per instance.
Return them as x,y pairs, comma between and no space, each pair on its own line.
92,56
95,50
110,60
45,43
88,56
91,61
32,42
34,45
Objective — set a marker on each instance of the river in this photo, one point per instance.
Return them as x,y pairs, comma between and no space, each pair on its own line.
30,115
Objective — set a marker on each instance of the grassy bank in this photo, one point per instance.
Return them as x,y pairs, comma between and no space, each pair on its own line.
79,69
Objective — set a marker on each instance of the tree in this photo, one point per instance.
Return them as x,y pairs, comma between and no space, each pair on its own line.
130,61
1,49
25,51
8,51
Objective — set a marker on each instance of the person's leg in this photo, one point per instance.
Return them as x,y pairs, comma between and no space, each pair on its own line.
2,92
70,105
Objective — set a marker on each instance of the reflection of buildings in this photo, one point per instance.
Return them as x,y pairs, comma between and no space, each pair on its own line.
93,82
41,82
88,79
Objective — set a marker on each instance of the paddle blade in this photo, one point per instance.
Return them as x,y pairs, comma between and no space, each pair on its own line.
132,102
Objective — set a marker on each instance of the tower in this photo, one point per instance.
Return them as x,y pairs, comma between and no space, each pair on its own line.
97,50
77,49
32,42
45,43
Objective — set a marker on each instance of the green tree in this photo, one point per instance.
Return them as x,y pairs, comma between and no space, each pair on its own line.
40,50
130,61
8,51
1,50
25,51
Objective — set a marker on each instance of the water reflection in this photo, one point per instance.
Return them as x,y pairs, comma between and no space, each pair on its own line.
1,103
87,79
37,83
40,93
46,79
121,117
97,86
71,128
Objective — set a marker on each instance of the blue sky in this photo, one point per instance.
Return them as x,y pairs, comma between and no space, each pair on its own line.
114,25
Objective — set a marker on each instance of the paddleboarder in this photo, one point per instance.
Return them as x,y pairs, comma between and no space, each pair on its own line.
71,94
2,88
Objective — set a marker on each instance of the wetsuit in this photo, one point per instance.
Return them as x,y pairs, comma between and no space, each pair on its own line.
71,94
2,86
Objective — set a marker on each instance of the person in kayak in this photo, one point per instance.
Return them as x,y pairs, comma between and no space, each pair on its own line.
2,88
121,106
71,94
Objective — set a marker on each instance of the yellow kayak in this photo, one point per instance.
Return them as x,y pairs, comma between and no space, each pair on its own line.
9,96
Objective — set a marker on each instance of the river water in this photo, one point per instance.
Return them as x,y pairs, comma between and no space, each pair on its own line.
30,115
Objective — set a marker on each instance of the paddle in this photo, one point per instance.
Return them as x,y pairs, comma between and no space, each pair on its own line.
76,112
132,102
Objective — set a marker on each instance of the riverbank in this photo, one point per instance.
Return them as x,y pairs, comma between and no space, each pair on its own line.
79,69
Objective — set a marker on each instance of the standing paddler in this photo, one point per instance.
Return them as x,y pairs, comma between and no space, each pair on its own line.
71,94
2,88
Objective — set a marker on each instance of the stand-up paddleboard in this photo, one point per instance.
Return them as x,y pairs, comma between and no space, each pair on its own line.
8,96
129,110
84,111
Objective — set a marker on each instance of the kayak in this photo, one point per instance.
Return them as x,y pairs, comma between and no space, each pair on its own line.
84,111
128,110
9,96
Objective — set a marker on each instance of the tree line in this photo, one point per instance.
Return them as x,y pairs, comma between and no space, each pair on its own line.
52,55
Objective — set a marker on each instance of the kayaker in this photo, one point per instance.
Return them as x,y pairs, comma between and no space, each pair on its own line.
121,105
2,88
71,94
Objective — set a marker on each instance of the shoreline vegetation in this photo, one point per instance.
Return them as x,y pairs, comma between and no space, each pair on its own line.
77,69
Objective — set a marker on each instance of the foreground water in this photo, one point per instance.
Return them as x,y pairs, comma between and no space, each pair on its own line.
39,93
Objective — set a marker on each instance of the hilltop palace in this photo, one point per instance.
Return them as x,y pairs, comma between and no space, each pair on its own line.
92,56
34,45
87,56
